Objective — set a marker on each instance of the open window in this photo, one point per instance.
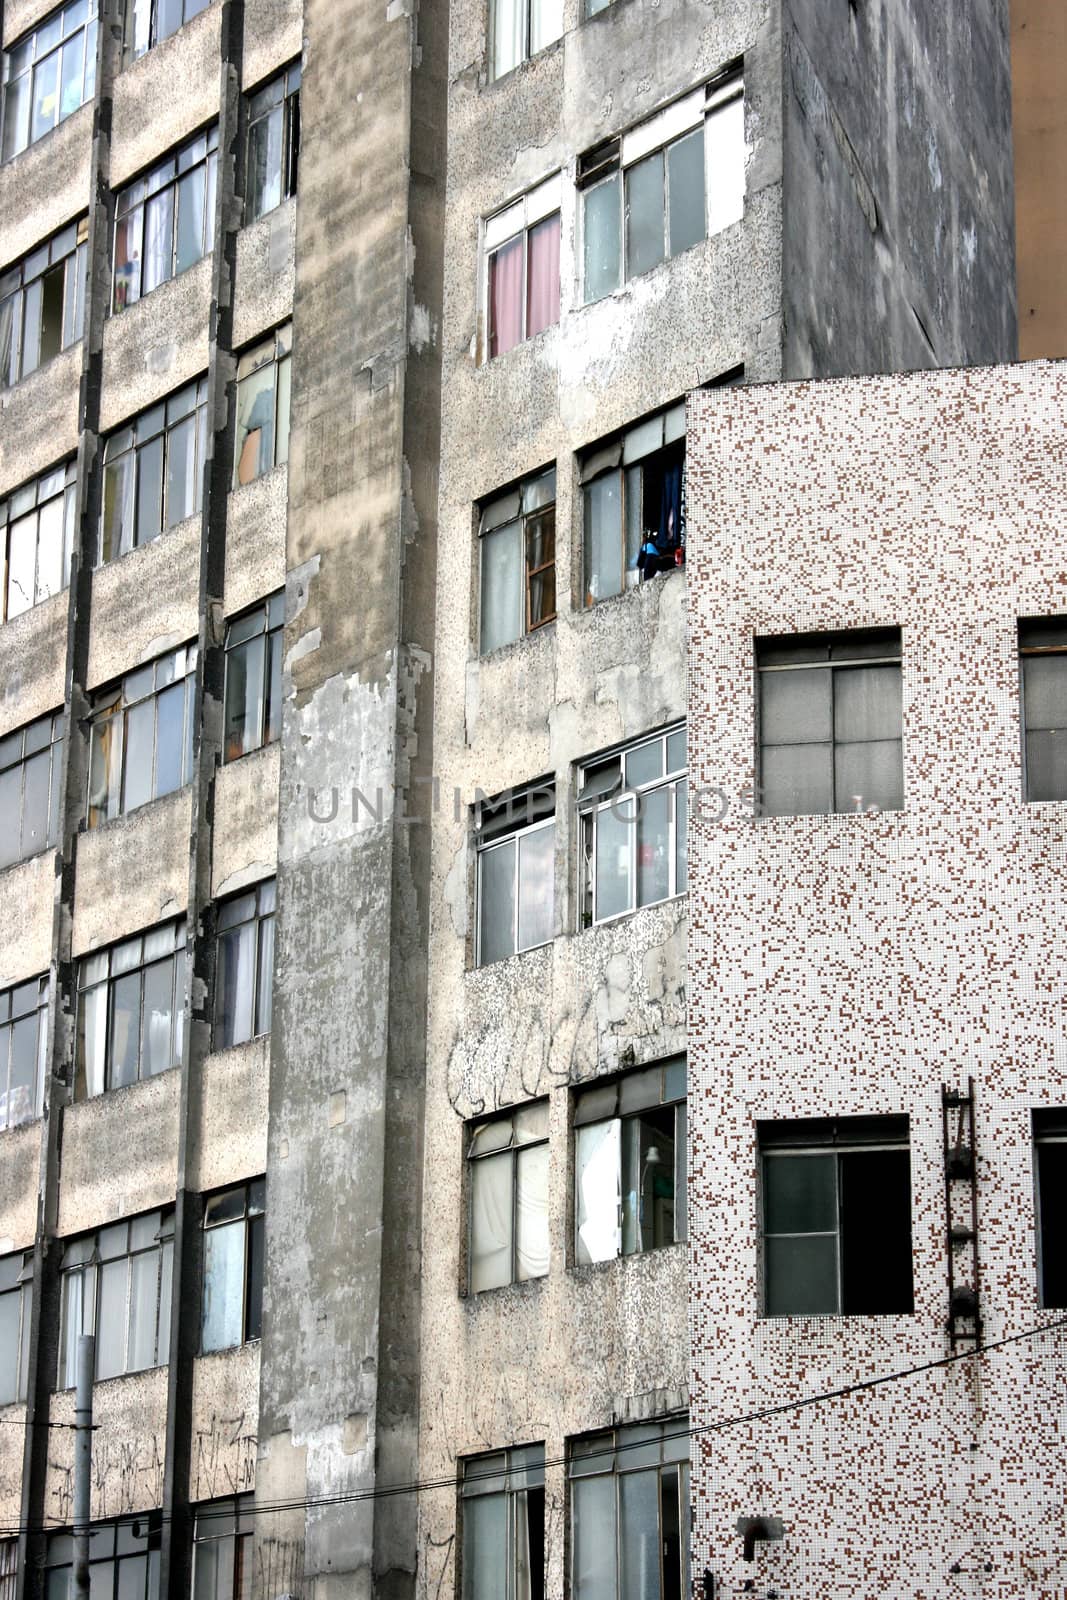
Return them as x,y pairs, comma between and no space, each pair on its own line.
515,871
231,1311
632,811
273,149
633,502
630,1162
42,303
1050,1151
263,401
254,678
244,968
517,548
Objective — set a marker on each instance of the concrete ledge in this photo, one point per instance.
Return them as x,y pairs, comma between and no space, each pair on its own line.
231,1136
20,1150
255,540
156,346
129,1448
245,837
39,419
165,96
145,603
133,872
225,1423
27,905
106,1172
33,654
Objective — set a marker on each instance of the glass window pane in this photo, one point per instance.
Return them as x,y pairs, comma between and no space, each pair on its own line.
45,96
157,1023
235,985
1045,691
726,165
10,814
536,862
149,491
144,1286
137,763
125,1029
72,74
795,780
603,537
505,296
281,446
190,218
50,572
866,703
1046,765
681,802
542,277
10,1316
644,214
602,246
111,1331
244,698
92,1037
508,20
801,1276
648,1181
254,448
485,1548
643,764
223,1294
274,687
654,846
158,240
118,507
16,115
546,23
615,837
639,1527
685,181
21,566
531,1229
593,1511
598,1200
168,18
182,479
265,164
800,1193
35,803
491,1222
265,976
22,1083
869,775
496,893
502,601
170,740
795,707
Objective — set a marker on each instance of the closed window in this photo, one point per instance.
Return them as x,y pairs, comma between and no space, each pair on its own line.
1050,1148
149,22
836,1223
37,523
123,1560
254,678
522,263
116,1285
165,221
633,504
131,1009
830,723
42,304
142,736
273,143
667,184
1043,674
517,545
263,379
503,1516
232,1307
520,28
31,768
9,1568
49,74
629,1512
632,811
245,966
508,1168
222,1548
630,1163
16,1289
154,471
516,844
23,1047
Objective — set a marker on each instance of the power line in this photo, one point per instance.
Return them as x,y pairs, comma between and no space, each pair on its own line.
454,1481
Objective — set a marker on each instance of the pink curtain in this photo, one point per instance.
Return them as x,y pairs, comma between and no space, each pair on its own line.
542,282
505,297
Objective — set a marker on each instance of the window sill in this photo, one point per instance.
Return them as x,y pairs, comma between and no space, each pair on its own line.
640,587
27,1122
46,850
524,1287
659,1252
795,1319
498,653
232,761
120,311
137,811
515,955
228,1349
827,816
28,377
634,911
124,1088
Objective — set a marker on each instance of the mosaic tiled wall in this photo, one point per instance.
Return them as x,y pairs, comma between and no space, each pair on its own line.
853,964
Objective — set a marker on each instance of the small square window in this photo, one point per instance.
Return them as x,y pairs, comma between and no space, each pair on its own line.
507,1160
1050,1151
836,1217
517,546
503,1516
1043,692
830,734
630,1162
515,872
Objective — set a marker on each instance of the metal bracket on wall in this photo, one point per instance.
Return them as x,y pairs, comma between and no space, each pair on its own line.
961,1215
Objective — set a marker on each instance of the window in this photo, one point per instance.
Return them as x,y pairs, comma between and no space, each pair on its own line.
123,1560
245,966
31,768
508,1164
165,221
503,1515
48,75
516,843
273,143
131,1009
1050,1136
38,523
630,1163
116,1284
836,1217
518,558
149,22
522,257
153,471
42,304
1043,671
830,723
232,1309
667,184
263,379
16,1289
254,678
520,28
629,1491
633,492
632,810
9,1568
142,736
222,1549
23,1046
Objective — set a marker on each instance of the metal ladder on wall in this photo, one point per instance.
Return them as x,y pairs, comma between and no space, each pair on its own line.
961,1215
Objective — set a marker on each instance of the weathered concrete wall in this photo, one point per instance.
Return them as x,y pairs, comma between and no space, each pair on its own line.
230,1140
20,1150
853,964
105,1175
225,1417
255,540
165,97
40,419
263,289
129,1445
1039,133
32,649
144,604
245,837
26,906
147,852
898,244
156,346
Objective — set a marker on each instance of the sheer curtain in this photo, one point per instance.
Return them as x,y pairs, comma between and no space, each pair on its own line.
491,1222
542,281
505,296
509,17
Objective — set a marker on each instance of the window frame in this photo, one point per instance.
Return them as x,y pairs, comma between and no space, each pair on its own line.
29,42
272,630
31,1006
96,973
113,705
289,79
82,1256
262,916
1034,626
144,1532
275,351
592,805
1048,1130
59,485
610,162
668,1437
166,176
50,740
252,1224
526,53
493,831
130,52
16,1279
515,1149
230,1519
126,454
519,219
624,454
23,286
507,512
520,1472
